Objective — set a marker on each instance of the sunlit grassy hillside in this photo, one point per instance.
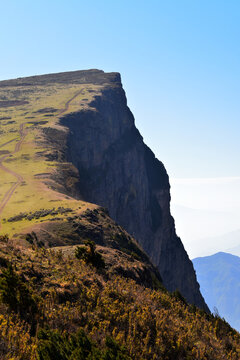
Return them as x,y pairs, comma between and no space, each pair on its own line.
27,165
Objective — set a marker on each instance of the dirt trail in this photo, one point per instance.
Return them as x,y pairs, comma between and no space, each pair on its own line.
8,142
9,193
66,106
19,178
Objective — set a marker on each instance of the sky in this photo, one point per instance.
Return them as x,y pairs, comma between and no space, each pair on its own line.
179,62
207,214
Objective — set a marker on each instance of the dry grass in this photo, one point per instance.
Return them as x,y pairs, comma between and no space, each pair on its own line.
151,324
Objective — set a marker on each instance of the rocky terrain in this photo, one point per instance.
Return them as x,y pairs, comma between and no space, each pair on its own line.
118,171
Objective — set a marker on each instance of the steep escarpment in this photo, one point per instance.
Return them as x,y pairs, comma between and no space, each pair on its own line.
97,156
118,171
73,282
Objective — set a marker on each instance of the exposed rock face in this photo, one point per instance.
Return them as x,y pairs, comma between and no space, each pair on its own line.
118,171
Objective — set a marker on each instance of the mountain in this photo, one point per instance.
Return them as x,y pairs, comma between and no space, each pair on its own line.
83,144
88,245
219,276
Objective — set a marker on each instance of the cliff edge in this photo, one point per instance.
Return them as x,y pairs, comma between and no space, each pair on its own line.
70,138
118,171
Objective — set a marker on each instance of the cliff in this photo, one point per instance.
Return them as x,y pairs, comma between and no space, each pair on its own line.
68,139
118,171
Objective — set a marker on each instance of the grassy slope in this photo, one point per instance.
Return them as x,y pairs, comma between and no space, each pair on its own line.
33,194
35,204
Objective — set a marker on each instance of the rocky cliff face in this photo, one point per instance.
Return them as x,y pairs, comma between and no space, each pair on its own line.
118,171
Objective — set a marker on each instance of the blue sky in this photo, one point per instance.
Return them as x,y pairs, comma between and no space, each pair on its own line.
180,67
179,62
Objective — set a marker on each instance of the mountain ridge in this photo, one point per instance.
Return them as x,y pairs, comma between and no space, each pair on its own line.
72,279
218,276
78,77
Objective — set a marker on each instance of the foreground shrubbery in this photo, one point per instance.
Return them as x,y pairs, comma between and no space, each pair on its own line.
54,345
15,294
82,313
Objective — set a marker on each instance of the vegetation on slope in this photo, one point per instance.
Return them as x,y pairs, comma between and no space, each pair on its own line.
28,163
72,309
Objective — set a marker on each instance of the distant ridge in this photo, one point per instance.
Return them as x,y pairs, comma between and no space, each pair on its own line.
219,278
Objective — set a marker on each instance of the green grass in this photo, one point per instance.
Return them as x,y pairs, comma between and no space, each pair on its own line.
34,194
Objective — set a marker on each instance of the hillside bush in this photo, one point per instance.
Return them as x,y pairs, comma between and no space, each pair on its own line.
56,346
15,294
89,254
4,238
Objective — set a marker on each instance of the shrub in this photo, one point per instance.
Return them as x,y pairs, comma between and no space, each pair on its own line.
178,296
89,254
4,238
33,240
56,346
16,295
114,351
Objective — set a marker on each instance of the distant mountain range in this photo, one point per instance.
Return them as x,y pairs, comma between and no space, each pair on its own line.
219,279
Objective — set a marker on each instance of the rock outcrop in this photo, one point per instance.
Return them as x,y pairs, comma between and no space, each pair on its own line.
118,171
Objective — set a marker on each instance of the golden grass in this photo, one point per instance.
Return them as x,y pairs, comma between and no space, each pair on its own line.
151,324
